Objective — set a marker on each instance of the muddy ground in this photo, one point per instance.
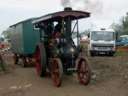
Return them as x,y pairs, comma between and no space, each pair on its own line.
109,78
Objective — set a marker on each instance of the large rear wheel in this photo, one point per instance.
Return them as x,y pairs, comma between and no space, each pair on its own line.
83,71
40,60
56,71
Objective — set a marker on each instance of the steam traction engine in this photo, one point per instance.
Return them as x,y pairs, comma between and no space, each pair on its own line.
57,53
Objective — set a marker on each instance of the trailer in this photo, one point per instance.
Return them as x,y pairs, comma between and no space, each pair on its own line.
23,39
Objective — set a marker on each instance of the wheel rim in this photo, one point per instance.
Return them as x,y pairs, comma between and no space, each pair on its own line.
83,72
38,62
56,73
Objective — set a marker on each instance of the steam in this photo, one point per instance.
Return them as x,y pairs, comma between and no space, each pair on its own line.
93,6
66,3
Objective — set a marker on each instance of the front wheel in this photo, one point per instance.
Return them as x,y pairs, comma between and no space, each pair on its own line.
111,54
83,71
56,71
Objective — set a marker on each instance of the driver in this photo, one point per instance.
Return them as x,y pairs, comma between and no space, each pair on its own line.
57,32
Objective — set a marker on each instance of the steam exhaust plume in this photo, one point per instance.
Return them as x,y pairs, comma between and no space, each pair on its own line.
93,6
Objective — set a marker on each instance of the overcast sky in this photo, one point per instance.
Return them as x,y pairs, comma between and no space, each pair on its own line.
104,12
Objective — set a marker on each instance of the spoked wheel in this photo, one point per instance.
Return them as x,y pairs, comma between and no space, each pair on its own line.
56,71
40,61
84,72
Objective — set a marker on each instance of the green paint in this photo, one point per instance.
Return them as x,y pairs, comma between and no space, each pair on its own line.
24,38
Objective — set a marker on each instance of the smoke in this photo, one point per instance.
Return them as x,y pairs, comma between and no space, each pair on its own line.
93,6
66,3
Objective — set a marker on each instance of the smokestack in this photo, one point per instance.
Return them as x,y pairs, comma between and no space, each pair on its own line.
68,23
67,9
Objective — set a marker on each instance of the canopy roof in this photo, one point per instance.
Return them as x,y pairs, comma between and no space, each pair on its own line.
73,14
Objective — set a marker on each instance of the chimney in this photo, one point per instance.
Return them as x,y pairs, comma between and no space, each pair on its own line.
67,9
68,23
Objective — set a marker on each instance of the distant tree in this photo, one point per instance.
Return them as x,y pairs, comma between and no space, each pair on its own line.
122,27
6,33
125,24
118,29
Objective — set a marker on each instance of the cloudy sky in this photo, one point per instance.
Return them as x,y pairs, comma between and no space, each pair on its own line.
104,12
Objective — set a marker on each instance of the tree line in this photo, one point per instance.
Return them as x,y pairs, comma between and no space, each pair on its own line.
121,28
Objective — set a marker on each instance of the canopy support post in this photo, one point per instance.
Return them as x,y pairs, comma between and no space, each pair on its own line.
78,41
